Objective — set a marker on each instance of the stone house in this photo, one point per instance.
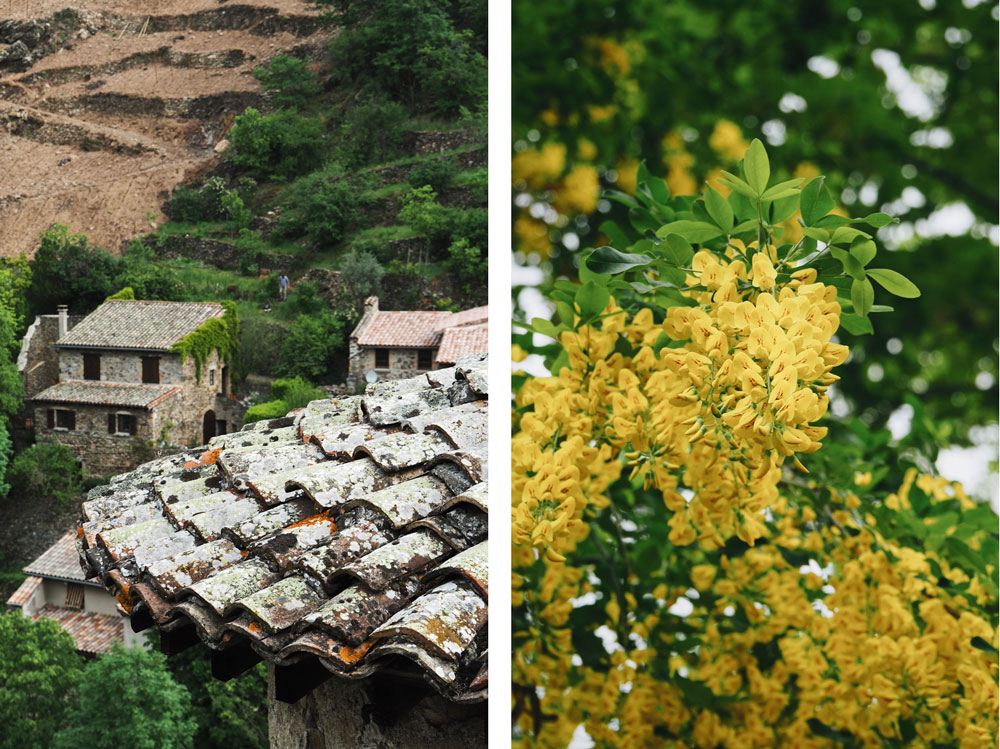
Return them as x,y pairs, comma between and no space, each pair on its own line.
57,589
344,544
109,387
391,345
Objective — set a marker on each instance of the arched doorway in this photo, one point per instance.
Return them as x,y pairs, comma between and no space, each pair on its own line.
208,426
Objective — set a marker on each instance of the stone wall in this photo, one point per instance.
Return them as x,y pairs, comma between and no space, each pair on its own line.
402,364
373,714
121,366
100,453
38,361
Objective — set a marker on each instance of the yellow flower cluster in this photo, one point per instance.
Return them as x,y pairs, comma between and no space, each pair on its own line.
878,650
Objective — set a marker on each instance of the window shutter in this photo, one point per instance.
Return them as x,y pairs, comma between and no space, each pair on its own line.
51,418
132,426
111,424
71,422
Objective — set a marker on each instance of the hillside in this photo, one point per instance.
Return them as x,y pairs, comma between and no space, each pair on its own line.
106,106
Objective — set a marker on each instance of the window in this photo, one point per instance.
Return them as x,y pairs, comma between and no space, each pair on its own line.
65,419
211,377
121,423
91,366
151,370
74,596
381,358
424,357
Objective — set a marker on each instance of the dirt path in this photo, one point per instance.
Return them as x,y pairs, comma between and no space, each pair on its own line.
117,102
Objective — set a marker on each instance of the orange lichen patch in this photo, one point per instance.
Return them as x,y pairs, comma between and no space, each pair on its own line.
323,517
255,628
124,601
353,655
79,532
244,553
192,464
209,457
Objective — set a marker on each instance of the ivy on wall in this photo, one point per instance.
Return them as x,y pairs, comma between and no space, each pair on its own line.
217,334
126,294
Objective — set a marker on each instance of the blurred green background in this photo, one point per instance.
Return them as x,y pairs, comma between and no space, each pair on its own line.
895,102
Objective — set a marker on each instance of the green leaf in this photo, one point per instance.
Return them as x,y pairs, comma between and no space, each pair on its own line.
677,250
692,231
832,221
980,644
739,185
846,234
894,283
862,296
820,235
592,299
882,308
826,732
610,260
757,167
784,208
545,327
864,251
851,266
657,187
815,201
748,225
878,220
719,209
673,276
642,220
855,324
783,189
611,230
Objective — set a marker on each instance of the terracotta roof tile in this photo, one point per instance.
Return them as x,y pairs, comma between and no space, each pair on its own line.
403,329
459,342
93,633
106,394
59,560
474,316
25,591
154,326
318,536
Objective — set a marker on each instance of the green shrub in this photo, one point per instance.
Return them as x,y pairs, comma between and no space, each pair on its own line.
67,269
467,262
372,132
185,205
260,346
290,80
361,274
438,174
46,470
295,392
147,280
328,209
308,347
277,145
304,299
267,288
265,411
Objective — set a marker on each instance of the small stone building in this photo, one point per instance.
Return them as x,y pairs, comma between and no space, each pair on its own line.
395,344
57,589
344,544
109,387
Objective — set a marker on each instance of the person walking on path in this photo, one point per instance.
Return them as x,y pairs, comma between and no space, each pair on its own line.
283,286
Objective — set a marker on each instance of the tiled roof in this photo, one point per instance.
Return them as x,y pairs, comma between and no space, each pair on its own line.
93,632
459,342
474,316
25,591
346,538
403,329
154,326
106,393
59,560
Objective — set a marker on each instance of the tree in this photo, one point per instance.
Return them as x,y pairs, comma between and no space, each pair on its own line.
149,710
309,345
39,669
46,470
896,104
290,80
361,274
67,269
418,52
279,145
698,561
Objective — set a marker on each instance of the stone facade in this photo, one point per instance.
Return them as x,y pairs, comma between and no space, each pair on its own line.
188,414
375,713
402,364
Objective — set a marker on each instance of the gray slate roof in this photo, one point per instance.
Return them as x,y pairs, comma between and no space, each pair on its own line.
348,537
154,326
106,393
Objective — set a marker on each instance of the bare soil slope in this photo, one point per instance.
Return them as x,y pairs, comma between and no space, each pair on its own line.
107,106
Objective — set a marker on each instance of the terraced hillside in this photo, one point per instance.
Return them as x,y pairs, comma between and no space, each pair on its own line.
107,106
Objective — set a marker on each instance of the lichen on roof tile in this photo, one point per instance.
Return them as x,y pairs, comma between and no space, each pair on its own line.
442,668
332,484
173,574
446,619
393,408
406,555
281,605
408,501
471,564
402,450
340,441
224,589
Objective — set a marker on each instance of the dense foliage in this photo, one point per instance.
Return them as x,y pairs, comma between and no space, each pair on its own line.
48,470
427,54
895,102
149,709
309,346
697,561
361,274
278,145
39,669
289,80
219,335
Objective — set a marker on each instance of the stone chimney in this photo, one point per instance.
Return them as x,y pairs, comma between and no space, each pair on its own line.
63,320
371,304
